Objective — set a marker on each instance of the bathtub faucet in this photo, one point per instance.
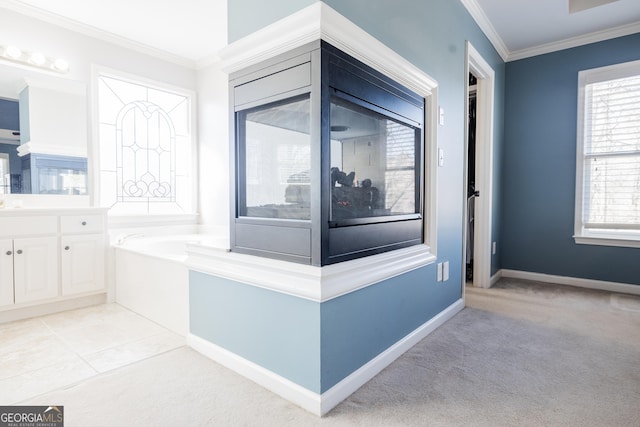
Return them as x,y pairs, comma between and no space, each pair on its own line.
123,237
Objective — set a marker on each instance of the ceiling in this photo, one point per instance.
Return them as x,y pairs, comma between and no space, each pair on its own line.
521,28
192,31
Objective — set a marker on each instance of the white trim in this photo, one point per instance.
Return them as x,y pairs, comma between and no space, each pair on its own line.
606,240
496,278
321,404
319,21
478,15
582,234
318,284
572,42
336,394
36,147
271,381
484,167
624,288
94,32
95,168
38,308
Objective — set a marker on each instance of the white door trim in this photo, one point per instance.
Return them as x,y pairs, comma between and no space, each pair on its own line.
482,247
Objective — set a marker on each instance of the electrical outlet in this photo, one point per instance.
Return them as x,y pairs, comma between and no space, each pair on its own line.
439,272
445,271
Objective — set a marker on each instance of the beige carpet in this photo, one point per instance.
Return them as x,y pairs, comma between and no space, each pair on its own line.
522,354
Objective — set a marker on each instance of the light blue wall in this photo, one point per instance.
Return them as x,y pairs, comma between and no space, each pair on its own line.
9,118
540,165
359,326
247,16
315,345
276,331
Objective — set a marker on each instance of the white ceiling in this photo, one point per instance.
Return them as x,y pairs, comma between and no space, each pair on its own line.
194,30
522,28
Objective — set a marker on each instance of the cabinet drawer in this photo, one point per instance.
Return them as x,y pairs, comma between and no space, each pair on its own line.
81,224
28,225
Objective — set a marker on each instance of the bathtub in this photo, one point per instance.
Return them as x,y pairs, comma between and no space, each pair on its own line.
151,278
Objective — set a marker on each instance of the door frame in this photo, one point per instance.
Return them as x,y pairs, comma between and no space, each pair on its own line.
482,248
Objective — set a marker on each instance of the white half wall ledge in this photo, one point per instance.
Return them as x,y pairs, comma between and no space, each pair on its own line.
321,404
318,284
320,22
602,285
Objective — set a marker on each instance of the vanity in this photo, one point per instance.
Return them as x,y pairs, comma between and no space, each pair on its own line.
51,260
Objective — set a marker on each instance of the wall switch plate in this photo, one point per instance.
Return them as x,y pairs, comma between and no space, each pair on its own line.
440,157
445,271
493,248
441,116
439,272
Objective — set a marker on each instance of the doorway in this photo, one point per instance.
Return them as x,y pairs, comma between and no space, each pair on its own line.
479,101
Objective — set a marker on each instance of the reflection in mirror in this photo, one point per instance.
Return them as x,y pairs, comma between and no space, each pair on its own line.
42,134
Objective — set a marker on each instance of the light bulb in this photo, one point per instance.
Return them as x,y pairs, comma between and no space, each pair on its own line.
60,65
37,58
13,52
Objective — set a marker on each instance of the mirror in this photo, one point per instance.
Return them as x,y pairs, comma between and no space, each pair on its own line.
43,133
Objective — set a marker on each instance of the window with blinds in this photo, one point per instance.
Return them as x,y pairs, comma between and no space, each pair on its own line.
608,194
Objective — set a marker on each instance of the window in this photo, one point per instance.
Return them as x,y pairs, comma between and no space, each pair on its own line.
145,147
608,163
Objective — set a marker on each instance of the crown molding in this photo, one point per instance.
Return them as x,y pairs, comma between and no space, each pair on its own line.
487,28
598,36
94,32
320,22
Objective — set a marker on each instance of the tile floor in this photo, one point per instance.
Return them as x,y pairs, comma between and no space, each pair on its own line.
45,353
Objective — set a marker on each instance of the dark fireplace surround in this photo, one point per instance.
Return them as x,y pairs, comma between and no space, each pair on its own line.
326,159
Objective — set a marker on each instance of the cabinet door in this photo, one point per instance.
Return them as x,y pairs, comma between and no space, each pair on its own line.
35,263
82,263
6,272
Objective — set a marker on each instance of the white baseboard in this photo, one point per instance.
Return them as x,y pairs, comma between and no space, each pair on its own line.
281,386
320,404
26,311
336,394
573,281
495,278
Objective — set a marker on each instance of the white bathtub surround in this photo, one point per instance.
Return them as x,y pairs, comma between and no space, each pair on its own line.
151,278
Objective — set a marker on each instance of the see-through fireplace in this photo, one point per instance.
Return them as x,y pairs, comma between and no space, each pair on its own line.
327,159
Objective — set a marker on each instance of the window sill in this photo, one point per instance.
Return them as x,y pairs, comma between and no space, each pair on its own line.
608,239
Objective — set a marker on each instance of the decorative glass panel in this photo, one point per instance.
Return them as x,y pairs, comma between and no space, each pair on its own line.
144,133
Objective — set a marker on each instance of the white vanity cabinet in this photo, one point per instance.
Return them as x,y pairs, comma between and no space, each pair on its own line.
83,253
50,257
6,272
29,259
35,268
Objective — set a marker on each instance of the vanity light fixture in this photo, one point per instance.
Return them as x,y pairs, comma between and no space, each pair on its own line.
34,59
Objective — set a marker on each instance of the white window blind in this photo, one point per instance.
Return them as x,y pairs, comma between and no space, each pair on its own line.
609,149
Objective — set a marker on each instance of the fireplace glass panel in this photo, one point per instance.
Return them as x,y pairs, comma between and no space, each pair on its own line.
373,164
276,160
